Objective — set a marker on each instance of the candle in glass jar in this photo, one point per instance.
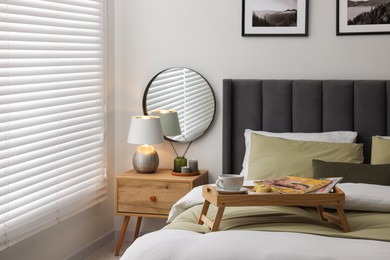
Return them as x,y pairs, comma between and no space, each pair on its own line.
178,163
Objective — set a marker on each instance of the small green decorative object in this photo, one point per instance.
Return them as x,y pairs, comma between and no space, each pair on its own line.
178,163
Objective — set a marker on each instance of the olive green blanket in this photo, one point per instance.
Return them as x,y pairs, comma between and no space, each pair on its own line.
364,225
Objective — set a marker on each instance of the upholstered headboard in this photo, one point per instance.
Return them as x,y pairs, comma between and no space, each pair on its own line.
302,106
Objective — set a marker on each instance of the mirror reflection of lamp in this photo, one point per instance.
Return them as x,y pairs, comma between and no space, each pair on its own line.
171,127
169,121
145,130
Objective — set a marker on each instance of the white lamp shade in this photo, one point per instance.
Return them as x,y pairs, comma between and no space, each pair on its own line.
145,130
169,121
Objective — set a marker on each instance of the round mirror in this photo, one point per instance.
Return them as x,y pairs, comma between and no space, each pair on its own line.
185,92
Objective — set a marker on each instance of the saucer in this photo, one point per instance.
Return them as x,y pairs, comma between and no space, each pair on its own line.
242,190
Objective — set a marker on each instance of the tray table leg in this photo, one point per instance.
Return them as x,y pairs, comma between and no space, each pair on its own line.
217,219
212,224
203,213
321,210
343,219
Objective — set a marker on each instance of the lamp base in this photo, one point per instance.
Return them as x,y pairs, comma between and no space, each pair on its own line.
145,159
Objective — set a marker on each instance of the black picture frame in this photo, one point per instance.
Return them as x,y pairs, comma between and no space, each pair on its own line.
283,20
361,18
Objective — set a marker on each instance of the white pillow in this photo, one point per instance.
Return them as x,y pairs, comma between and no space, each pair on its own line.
366,197
330,137
192,198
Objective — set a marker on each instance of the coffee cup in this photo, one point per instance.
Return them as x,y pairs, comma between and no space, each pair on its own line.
231,182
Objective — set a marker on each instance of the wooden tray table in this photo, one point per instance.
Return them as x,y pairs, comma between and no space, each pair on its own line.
335,198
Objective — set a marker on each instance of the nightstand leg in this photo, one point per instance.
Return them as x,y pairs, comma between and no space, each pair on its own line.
122,235
137,226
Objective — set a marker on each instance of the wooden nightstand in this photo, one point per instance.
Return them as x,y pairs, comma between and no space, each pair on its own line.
150,195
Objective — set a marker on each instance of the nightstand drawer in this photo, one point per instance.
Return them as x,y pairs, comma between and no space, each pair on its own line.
148,197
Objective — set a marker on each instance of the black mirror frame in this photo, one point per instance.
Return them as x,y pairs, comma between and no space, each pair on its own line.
144,108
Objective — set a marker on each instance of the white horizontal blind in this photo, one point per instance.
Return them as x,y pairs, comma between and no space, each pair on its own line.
189,94
52,149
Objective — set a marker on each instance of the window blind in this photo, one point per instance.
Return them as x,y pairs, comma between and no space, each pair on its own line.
52,147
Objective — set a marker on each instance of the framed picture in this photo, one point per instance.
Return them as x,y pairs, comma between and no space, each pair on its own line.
275,17
356,17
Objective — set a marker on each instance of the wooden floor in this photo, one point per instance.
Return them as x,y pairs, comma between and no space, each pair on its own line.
107,252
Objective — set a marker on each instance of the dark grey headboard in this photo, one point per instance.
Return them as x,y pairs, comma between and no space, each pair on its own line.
302,106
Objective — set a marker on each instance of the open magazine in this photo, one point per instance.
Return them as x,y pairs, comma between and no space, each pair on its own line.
300,185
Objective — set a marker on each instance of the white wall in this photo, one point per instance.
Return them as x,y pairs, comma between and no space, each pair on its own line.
205,35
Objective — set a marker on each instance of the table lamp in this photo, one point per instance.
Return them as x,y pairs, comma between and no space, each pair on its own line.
145,130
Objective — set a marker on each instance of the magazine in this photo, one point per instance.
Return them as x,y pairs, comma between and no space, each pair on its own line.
329,187
295,185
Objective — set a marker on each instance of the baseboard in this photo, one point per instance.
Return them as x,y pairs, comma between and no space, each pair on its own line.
93,247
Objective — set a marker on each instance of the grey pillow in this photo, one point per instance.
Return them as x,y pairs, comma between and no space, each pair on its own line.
352,172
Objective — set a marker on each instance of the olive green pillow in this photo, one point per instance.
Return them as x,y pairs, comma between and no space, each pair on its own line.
352,172
273,157
380,150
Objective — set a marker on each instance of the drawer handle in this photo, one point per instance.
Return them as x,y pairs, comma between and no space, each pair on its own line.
152,198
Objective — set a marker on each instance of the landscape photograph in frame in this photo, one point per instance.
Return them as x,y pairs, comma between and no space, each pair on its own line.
356,17
274,18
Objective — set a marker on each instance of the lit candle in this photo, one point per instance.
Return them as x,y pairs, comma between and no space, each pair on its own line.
185,169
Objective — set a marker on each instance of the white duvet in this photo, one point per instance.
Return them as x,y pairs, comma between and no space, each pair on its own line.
243,244
170,244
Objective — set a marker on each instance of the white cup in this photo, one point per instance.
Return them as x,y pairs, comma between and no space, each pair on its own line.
231,182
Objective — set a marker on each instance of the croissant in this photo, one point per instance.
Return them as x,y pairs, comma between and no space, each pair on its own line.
264,188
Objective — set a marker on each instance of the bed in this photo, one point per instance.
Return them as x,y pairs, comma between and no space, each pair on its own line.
292,107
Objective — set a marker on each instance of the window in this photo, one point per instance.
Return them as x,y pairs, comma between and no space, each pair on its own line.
52,148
